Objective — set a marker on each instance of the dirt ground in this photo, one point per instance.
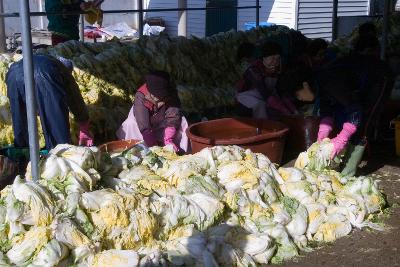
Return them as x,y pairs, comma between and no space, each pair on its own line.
367,247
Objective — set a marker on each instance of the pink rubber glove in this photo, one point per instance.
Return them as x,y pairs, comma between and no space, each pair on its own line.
325,128
149,138
85,138
169,135
340,141
276,103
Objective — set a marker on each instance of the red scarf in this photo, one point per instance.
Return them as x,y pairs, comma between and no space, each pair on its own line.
145,91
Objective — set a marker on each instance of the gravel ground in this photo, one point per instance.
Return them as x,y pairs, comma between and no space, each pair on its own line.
367,247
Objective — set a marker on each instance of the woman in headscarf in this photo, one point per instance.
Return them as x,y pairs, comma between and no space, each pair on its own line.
155,116
257,88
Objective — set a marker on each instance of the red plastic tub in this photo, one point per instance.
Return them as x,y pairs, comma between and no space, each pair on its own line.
118,146
269,140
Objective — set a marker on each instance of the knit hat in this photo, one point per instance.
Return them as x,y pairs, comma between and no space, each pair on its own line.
158,83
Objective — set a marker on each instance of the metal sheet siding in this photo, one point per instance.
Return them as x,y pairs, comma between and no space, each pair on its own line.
13,25
170,17
314,17
196,20
274,11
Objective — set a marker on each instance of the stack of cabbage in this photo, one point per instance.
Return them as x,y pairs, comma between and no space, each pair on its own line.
108,74
344,44
223,205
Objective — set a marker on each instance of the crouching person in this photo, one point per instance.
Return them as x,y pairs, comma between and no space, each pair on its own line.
155,116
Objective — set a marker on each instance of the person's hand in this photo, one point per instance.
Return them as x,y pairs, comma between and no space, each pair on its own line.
325,128
341,140
169,135
85,137
276,103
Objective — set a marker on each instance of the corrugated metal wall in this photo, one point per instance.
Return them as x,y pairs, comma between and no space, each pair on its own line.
13,25
196,20
170,17
314,17
275,11
353,8
282,12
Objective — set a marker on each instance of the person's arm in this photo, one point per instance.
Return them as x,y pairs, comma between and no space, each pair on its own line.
77,106
142,116
256,78
348,98
75,101
173,119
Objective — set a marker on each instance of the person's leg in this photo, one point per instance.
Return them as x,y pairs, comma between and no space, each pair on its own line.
260,110
57,39
53,109
252,99
353,157
16,95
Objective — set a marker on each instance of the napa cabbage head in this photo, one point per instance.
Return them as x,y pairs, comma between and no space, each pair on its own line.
201,184
37,198
50,255
238,175
114,257
25,249
84,157
317,157
199,209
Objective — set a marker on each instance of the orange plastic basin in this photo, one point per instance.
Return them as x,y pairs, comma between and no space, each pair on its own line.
270,139
117,146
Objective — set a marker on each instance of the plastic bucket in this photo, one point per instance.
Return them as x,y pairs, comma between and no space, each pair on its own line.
8,171
19,154
13,161
250,25
118,146
261,136
303,132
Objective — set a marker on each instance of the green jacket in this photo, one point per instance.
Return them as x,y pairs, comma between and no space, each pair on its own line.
64,25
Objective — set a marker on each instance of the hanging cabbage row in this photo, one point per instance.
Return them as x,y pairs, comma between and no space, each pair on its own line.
108,74
223,206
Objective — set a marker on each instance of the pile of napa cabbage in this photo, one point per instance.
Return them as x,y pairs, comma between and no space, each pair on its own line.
223,206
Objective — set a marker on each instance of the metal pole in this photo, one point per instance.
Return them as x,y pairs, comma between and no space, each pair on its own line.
29,88
3,45
140,4
182,15
258,13
41,19
385,31
334,19
82,28
136,15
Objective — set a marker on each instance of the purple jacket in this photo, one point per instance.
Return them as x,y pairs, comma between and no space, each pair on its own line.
150,117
